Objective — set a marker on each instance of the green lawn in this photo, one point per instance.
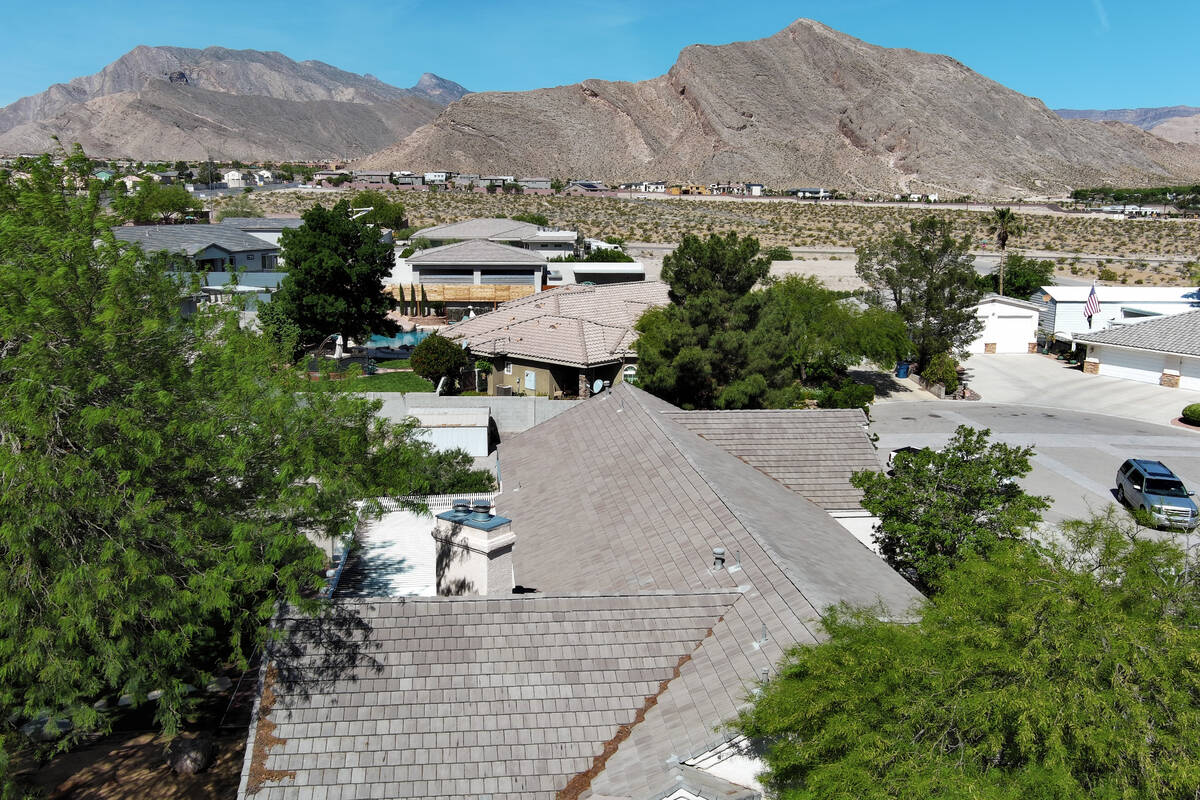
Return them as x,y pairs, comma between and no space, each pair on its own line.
394,363
388,382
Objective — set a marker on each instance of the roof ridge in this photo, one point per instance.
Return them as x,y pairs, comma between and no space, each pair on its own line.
775,557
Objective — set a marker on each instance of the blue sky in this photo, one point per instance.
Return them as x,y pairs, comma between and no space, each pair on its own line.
1069,53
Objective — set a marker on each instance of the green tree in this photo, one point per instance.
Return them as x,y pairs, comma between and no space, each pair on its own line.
239,205
1021,276
557,185
926,276
1066,673
208,173
941,506
436,357
336,267
154,202
160,474
727,264
1003,223
384,212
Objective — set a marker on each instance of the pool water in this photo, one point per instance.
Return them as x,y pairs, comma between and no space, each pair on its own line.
407,339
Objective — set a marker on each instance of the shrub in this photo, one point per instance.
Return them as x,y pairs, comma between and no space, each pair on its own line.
1191,414
1107,274
942,369
779,253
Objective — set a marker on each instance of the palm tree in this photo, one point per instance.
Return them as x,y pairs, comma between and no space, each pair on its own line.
1003,223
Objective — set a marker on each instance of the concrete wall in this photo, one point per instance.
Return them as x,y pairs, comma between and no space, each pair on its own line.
512,414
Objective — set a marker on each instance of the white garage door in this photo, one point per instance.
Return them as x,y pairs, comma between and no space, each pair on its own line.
1144,367
1189,375
1014,332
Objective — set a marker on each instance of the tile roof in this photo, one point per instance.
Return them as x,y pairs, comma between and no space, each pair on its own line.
573,325
1177,333
477,252
191,239
563,694
813,452
469,698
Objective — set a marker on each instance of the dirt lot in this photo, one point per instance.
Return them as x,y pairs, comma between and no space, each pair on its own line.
1150,250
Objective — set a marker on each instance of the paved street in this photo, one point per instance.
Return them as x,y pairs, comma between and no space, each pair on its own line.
1077,453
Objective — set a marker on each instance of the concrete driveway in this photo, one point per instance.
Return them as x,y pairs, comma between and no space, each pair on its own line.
1076,453
1038,380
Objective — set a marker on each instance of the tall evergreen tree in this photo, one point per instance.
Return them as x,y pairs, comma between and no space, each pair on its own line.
927,276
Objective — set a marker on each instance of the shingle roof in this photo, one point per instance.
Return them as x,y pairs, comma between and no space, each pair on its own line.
602,695
813,452
573,325
1177,333
191,239
476,252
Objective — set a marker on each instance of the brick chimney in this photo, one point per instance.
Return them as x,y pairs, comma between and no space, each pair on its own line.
474,551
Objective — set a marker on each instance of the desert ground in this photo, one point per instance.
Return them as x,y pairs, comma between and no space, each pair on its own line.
821,236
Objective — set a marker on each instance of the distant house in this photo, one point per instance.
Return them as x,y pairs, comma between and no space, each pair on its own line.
495,180
811,193
1164,350
754,189
264,177
166,177
1009,325
269,229
131,182
688,189
534,183
549,241
585,187
103,174
472,272
373,178
327,175
439,178
1063,306
561,341
238,179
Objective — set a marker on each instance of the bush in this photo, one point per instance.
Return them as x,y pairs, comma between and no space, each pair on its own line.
1107,274
848,395
942,369
1191,414
779,253
437,357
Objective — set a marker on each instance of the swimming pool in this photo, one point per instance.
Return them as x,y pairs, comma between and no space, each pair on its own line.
406,339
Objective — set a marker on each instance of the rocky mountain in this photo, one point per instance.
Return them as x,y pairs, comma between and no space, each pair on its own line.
175,102
1173,123
807,106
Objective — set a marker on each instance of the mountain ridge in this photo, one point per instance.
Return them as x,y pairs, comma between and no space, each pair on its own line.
806,106
75,109
1173,123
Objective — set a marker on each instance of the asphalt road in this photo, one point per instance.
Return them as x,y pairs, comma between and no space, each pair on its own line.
1076,454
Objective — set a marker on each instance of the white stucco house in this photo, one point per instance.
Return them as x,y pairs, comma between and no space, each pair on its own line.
1009,325
1165,351
1062,306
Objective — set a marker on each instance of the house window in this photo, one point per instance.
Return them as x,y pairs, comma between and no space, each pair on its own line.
251,256
508,368
629,373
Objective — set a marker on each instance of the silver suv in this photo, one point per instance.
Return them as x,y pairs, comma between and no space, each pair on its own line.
1150,486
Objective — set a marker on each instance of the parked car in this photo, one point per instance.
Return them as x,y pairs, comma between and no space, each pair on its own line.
1152,487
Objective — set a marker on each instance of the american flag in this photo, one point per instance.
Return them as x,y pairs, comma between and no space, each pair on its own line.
1092,307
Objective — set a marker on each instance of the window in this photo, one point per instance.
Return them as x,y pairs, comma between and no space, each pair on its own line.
629,373
508,368
251,256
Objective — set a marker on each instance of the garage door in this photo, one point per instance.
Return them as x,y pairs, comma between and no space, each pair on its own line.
1189,374
1144,367
1014,332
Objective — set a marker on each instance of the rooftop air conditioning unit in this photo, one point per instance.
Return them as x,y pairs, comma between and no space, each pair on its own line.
504,391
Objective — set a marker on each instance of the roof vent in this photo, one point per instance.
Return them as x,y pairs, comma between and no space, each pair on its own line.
462,507
718,558
481,512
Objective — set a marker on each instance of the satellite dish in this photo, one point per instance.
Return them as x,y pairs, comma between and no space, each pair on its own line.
597,386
